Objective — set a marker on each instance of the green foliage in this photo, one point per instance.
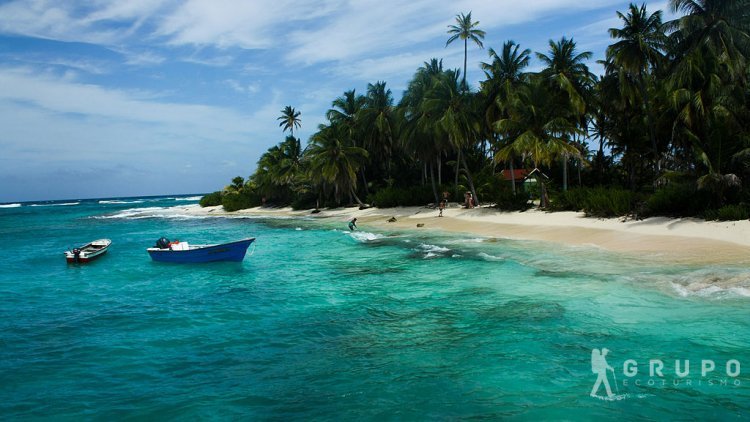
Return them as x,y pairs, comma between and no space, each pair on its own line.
595,202
395,197
233,201
611,202
211,200
677,200
729,213
505,200
572,200
304,201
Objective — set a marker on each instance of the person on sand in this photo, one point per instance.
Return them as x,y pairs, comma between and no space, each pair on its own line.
441,207
353,224
469,200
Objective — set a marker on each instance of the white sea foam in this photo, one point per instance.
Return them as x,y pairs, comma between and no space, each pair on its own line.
489,257
64,204
472,240
152,212
432,248
364,236
189,198
114,201
712,284
10,205
431,251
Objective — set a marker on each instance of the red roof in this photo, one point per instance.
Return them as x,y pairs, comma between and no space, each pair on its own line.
518,174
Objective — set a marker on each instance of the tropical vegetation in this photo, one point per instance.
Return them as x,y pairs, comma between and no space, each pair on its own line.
664,131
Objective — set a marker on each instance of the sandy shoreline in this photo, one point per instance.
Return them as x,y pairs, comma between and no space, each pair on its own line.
685,239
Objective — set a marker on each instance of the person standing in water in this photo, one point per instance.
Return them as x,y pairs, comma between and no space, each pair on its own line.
600,366
353,224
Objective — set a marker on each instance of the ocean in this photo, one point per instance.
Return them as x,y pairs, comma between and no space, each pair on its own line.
321,323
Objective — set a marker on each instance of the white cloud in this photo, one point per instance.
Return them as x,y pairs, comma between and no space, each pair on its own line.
64,21
50,124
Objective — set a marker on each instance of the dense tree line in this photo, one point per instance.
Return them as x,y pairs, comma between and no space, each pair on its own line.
663,131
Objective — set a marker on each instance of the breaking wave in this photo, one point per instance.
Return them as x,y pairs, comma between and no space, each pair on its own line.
151,212
712,285
432,251
114,201
364,236
64,204
10,205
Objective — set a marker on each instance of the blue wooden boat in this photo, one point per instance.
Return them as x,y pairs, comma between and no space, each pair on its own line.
185,253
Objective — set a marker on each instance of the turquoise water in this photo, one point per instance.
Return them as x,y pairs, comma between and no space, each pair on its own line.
320,323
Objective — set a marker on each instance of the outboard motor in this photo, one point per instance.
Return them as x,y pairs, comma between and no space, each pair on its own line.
162,243
77,255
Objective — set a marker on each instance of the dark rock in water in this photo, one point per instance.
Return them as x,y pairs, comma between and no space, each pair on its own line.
364,206
315,211
391,220
420,225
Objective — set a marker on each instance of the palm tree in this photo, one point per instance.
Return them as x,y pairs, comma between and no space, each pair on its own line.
376,121
709,84
537,130
289,119
639,50
504,75
456,117
417,127
344,112
465,30
333,161
718,27
569,81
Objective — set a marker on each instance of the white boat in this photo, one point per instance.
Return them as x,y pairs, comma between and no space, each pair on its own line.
88,252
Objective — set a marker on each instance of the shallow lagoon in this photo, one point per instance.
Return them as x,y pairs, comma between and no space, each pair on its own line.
323,323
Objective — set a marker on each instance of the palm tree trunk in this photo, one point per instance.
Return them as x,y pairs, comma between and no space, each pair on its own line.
434,187
512,177
600,160
364,180
458,162
543,200
466,47
649,115
578,167
439,170
353,193
471,182
565,172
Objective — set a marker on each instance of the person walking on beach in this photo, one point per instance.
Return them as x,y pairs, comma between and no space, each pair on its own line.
353,224
441,207
469,200
599,366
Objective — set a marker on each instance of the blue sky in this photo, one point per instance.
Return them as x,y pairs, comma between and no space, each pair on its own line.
146,97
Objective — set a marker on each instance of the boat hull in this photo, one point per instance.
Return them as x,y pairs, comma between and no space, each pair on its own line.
88,252
233,251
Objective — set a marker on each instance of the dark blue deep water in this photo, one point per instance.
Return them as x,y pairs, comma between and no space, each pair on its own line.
320,323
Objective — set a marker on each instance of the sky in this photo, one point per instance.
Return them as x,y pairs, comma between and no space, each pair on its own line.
103,98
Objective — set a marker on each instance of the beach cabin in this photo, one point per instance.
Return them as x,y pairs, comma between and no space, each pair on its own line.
519,175
526,180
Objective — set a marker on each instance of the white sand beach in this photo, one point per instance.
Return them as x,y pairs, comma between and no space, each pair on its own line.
684,239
